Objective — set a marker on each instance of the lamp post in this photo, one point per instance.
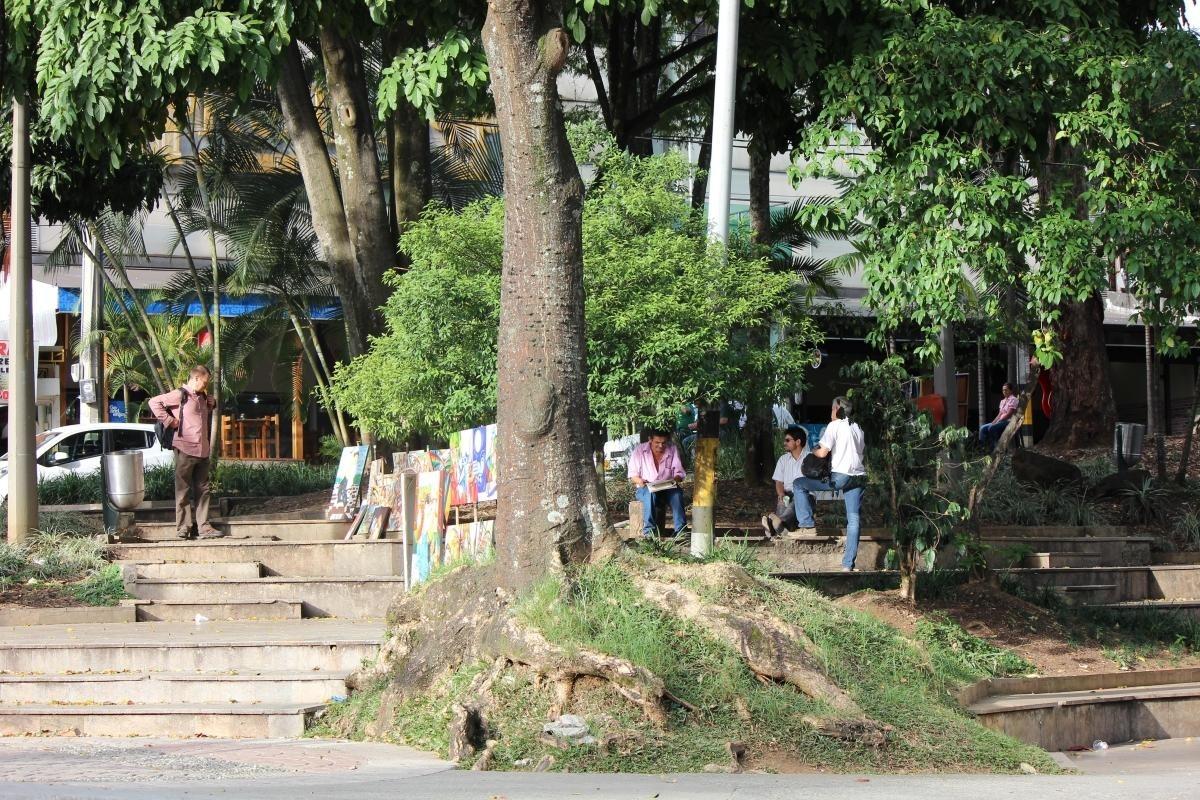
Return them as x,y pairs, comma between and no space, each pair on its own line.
720,171
22,413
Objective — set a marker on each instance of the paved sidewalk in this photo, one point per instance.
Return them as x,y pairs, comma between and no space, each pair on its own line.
133,769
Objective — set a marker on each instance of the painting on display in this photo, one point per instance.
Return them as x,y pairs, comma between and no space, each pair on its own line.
468,540
347,483
428,524
474,465
377,521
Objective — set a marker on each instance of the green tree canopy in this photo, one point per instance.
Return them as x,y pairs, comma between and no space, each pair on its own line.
666,315
1004,161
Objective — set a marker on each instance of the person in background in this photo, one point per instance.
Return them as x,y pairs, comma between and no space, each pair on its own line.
990,433
654,461
843,441
188,412
787,470
686,425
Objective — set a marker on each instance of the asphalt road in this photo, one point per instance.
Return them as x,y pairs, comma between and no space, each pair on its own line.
164,770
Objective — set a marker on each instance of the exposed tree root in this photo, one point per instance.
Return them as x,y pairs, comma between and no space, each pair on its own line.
463,618
636,684
771,647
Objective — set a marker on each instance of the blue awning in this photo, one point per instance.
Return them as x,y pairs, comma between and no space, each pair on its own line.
321,310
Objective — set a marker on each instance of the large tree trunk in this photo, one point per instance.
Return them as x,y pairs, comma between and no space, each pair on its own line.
412,184
759,442
324,196
549,504
1084,409
358,168
407,149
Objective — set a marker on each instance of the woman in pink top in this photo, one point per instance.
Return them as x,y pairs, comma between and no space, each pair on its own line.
990,433
655,462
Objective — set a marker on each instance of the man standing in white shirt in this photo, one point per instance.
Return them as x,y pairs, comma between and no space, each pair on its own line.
844,443
787,469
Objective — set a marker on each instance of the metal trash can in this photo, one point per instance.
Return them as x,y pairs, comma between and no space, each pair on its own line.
126,479
1127,444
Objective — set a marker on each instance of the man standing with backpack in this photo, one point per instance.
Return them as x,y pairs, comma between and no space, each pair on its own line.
184,424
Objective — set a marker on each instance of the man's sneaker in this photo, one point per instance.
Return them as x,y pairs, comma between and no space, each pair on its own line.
183,534
849,569
801,533
210,532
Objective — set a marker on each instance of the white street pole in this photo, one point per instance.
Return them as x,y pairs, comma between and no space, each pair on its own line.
22,413
721,165
719,179
91,294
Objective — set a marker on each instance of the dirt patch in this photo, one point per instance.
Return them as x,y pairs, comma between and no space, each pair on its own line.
37,596
312,503
1005,621
781,762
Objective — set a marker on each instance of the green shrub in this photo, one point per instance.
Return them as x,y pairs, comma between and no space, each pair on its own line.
229,479
1187,530
965,656
61,557
102,588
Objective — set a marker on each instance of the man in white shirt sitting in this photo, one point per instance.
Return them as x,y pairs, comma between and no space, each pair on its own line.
787,469
844,442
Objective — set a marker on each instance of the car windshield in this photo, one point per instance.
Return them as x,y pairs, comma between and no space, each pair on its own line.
38,441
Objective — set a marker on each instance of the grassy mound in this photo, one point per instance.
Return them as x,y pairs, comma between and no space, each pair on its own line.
902,682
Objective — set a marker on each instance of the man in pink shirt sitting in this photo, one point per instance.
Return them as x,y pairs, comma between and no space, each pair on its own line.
188,411
990,433
653,464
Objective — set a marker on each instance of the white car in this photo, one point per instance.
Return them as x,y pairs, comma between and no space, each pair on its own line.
76,449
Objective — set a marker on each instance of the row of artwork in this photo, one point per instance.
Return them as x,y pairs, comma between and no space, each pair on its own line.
414,499
468,467
468,541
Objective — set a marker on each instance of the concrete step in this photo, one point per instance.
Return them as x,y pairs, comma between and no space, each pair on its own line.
1095,594
295,559
242,646
292,530
366,597
1186,608
150,611
224,720
1047,560
142,688
161,570
70,615
1122,707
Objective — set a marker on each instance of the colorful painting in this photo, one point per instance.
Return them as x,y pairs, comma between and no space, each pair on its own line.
428,524
418,461
347,484
474,465
377,521
469,540
395,496
377,492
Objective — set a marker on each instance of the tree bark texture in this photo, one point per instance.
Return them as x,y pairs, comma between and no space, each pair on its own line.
1083,405
759,442
324,195
358,168
549,508
407,149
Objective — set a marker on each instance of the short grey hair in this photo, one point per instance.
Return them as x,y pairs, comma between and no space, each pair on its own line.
199,370
844,407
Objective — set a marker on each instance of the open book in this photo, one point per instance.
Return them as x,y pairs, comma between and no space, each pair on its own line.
658,486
